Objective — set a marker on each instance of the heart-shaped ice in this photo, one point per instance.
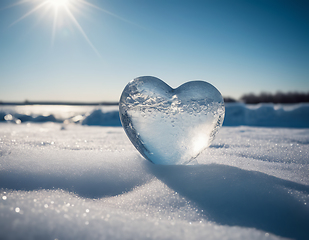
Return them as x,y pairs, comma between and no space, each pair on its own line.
170,126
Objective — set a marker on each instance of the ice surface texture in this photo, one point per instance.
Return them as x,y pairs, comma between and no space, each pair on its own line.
170,126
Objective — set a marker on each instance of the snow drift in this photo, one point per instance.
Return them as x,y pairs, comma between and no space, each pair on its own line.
267,115
236,114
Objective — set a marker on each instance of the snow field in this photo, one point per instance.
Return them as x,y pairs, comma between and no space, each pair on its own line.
67,181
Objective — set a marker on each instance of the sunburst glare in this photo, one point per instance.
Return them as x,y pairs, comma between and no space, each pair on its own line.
66,8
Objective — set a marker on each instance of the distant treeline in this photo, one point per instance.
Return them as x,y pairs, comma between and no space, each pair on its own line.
251,98
279,97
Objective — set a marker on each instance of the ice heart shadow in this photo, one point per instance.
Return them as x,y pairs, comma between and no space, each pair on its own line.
87,185
236,197
96,182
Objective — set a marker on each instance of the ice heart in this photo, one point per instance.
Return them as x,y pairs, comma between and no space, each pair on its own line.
170,126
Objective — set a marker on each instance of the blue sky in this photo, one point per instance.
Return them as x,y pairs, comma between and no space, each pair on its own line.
238,46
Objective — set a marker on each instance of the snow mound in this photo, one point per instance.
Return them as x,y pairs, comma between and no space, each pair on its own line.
19,118
267,115
236,114
100,118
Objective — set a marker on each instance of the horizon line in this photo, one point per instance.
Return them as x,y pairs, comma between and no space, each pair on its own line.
57,103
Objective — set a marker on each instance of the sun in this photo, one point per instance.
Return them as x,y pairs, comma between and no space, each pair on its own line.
58,3
61,7
66,8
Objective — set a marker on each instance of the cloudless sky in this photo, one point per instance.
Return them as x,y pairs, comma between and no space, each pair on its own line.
238,46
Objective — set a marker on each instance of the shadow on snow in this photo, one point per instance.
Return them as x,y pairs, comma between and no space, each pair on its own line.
236,197
227,195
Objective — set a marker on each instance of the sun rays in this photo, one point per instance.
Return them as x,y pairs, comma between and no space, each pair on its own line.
65,8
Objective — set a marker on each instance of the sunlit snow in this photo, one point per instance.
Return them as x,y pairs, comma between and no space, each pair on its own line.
64,179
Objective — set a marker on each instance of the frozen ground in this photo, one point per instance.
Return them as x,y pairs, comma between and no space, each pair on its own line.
72,181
